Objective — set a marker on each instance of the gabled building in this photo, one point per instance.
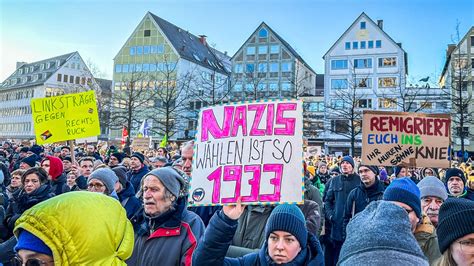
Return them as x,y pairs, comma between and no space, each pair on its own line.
161,56
365,69
50,77
267,67
457,80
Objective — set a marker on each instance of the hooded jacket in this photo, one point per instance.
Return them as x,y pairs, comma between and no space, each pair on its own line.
169,239
81,228
58,178
218,236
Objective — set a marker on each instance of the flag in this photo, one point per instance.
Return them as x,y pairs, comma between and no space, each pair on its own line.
124,135
144,130
164,141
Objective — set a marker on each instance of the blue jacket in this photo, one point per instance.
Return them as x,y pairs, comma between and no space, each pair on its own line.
218,236
337,192
132,205
135,177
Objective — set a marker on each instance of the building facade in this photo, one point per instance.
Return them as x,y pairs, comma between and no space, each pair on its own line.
365,69
267,67
457,80
176,68
50,77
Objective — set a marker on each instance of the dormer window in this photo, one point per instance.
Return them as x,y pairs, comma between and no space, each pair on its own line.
20,71
41,66
362,25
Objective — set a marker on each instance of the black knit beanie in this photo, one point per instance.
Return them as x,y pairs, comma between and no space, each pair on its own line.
372,168
139,156
456,219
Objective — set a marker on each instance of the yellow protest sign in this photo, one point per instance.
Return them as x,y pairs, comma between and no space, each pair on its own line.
65,117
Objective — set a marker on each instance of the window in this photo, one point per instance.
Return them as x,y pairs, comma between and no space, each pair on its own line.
160,49
146,49
427,105
250,68
338,83
355,45
138,67
338,64
370,44
286,67
125,68
362,45
387,103
388,62
65,78
337,104
263,33
139,50
273,67
362,25
286,86
363,63
132,50
238,68
472,40
363,82
378,44
147,33
273,86
132,67
262,49
251,50
339,126
59,78
71,79
462,133
472,63
348,45
146,67
387,82
262,67
238,87
249,87
275,49
152,67
118,68
262,87
364,103
78,80
441,105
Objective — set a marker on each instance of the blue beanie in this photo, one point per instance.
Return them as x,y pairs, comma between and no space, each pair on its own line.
348,159
28,241
288,218
404,190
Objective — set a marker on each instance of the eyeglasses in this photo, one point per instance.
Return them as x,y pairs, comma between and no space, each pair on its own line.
467,246
17,261
95,185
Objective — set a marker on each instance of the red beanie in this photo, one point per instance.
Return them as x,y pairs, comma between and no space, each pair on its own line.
55,167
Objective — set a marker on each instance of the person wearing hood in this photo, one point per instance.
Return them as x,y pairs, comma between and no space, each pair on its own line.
103,180
76,228
455,181
287,240
428,171
370,189
54,167
127,198
170,233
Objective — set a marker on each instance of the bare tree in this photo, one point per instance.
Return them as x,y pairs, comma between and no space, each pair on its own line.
457,90
298,79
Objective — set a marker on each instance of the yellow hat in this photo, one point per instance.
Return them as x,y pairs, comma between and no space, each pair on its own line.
311,169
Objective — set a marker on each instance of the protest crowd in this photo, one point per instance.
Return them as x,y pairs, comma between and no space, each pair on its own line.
101,205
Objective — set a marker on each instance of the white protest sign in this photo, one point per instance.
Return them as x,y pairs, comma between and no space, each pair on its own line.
249,150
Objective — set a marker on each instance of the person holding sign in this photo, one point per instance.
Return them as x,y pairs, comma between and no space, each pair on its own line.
287,239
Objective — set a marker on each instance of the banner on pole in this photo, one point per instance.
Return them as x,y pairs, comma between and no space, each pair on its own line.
405,139
65,117
249,150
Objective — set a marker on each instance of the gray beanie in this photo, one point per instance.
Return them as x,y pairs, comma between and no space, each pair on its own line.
381,235
107,176
432,186
169,178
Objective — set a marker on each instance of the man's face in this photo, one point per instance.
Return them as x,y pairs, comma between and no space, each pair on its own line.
366,176
86,168
323,169
67,165
90,149
158,164
283,247
346,168
45,165
455,185
23,154
96,185
187,156
154,200
430,206
135,164
411,214
65,152
24,166
113,161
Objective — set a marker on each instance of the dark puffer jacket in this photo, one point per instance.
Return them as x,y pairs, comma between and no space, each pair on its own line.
218,236
135,177
132,205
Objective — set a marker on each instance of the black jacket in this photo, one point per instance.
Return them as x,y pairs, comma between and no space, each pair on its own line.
360,197
59,186
338,189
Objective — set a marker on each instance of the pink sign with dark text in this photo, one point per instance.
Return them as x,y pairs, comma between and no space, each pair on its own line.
249,150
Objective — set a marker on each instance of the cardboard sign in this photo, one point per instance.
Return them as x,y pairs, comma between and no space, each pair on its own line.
65,117
313,151
141,144
248,150
87,140
405,139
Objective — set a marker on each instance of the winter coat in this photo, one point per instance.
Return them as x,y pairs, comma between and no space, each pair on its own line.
169,239
81,228
218,236
425,234
81,182
132,205
135,177
360,197
205,212
335,202
9,190
59,185
23,201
